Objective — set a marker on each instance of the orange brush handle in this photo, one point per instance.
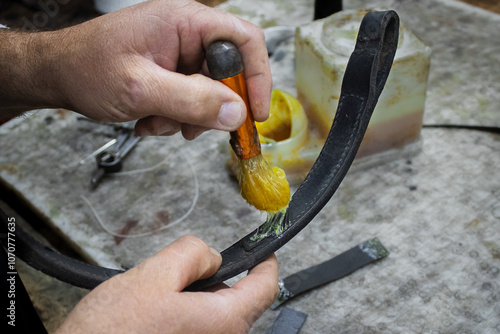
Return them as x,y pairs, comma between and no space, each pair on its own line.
244,141
225,64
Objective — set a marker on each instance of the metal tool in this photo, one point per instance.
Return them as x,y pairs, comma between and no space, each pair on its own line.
99,150
110,160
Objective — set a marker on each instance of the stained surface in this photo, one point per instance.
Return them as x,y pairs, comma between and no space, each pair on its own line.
437,211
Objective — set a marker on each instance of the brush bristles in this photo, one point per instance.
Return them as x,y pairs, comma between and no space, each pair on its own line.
263,187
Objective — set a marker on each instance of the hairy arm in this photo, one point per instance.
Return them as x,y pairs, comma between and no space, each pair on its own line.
25,75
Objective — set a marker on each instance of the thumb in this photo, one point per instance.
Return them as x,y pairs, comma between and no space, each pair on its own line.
181,263
192,99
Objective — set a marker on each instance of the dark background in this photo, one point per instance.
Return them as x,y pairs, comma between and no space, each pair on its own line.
52,14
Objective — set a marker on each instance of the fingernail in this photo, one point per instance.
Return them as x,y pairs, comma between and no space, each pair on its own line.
166,129
198,132
230,114
144,133
214,251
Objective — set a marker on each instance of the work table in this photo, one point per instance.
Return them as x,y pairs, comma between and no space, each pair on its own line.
437,211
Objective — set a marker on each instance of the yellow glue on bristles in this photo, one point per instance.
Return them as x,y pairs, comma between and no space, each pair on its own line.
263,187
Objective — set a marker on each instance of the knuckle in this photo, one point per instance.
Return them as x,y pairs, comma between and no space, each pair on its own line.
135,93
194,241
258,34
254,33
131,96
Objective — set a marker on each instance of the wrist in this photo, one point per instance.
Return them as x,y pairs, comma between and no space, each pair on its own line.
27,67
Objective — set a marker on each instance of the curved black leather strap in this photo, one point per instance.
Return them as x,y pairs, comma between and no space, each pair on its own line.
364,79
52,263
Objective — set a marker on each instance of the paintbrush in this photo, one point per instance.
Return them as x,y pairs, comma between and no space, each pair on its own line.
261,185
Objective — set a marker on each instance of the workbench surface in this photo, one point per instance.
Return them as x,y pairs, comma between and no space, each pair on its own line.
437,211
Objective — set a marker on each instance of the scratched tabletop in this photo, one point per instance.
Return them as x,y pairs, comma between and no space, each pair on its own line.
437,211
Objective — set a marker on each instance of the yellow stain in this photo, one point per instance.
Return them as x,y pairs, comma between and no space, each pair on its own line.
278,126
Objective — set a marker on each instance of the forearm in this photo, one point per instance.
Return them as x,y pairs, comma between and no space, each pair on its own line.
27,67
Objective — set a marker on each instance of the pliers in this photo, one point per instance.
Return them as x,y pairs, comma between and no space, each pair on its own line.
111,159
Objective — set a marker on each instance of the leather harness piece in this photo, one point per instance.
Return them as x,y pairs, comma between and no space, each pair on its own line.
364,79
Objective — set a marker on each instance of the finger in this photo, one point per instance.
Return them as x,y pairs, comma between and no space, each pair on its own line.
157,126
217,287
253,294
194,99
191,132
258,77
181,263
261,281
249,39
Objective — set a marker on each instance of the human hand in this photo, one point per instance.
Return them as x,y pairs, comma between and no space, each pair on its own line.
143,62
149,297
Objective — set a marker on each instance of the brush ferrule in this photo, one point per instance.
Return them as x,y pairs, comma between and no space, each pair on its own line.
223,60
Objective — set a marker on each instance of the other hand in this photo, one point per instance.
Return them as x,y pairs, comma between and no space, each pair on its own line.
149,297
